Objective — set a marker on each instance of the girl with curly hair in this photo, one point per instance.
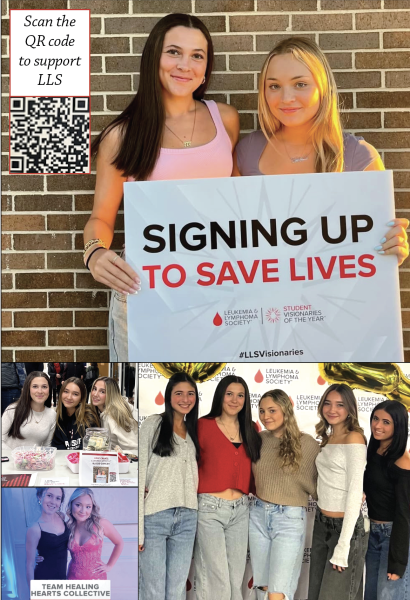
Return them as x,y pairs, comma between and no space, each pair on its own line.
87,530
339,538
285,476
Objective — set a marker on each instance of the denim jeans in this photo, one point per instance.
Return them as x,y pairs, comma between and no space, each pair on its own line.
8,396
221,546
277,542
118,330
378,587
325,582
166,559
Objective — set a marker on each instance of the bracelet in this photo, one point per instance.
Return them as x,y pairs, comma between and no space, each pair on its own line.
91,253
92,243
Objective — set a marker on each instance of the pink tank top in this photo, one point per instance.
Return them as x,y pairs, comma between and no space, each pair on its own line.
210,160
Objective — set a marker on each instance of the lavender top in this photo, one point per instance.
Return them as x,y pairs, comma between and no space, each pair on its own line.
357,156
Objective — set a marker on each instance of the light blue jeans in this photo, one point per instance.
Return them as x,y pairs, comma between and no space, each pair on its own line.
118,330
378,587
277,541
166,559
221,546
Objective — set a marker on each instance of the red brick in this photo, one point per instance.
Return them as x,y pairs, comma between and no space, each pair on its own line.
7,281
22,183
87,281
78,300
384,140
402,179
318,22
396,120
33,4
77,337
405,318
259,23
84,202
357,80
7,355
58,183
229,81
396,4
286,5
43,203
26,260
91,318
23,338
6,203
382,60
47,355
383,99
119,102
110,83
246,62
6,242
232,43
383,20
65,260
348,41
110,45
159,6
38,318
70,222
6,318
350,4
24,300
122,64
402,199
92,354
398,79
101,7
44,281
246,121
138,44
205,6
360,120
23,223
339,60
42,241
396,39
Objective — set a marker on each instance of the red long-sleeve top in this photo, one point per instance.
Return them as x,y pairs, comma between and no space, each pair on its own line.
222,465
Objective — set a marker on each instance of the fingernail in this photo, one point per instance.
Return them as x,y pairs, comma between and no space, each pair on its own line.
137,280
390,224
381,252
124,292
378,248
382,240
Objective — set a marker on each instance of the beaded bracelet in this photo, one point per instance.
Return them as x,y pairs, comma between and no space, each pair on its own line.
91,253
92,243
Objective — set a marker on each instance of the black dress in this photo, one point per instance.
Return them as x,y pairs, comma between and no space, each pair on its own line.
53,548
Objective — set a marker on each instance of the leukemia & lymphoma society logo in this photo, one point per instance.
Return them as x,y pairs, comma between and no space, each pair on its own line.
272,315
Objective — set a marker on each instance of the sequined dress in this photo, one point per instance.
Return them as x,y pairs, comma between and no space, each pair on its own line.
85,559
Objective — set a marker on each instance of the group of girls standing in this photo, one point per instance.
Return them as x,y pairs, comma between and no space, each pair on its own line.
81,531
29,422
170,132
210,486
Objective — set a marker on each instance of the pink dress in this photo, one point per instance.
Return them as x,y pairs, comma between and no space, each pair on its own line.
85,559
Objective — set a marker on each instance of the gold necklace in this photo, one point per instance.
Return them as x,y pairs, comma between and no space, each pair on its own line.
186,144
41,416
230,437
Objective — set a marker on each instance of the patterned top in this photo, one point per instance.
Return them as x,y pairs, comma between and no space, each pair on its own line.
85,559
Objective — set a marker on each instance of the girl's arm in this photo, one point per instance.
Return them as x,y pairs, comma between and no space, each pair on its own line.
146,433
32,540
355,453
230,119
235,172
112,534
400,535
107,200
6,422
395,240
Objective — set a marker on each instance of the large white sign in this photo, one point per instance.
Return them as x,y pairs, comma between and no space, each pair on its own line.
268,268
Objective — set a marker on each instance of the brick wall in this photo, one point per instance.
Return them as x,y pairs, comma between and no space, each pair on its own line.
52,308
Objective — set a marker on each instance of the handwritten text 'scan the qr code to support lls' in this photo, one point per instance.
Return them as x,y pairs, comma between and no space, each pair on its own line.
50,52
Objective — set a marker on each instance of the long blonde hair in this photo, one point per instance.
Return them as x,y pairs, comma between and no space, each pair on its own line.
85,415
326,131
93,524
290,449
116,406
323,429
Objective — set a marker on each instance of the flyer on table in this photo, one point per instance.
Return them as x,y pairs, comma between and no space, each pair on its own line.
263,268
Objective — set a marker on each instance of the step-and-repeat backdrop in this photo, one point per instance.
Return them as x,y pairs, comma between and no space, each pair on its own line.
305,384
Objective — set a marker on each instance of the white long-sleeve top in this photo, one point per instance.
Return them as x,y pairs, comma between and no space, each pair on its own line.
340,489
127,440
35,434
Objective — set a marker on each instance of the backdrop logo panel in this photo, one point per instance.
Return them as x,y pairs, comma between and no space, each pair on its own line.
263,268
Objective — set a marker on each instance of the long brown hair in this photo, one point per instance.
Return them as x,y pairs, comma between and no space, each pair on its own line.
141,124
323,429
290,449
326,130
85,415
23,405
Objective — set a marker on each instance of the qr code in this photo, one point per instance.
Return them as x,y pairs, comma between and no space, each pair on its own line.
113,476
49,135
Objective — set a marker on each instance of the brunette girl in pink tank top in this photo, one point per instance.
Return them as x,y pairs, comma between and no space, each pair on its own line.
167,132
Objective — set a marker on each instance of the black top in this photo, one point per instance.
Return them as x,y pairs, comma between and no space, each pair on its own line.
53,548
237,444
68,438
388,499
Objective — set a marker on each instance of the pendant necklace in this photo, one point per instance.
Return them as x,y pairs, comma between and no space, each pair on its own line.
230,437
186,144
40,418
296,159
